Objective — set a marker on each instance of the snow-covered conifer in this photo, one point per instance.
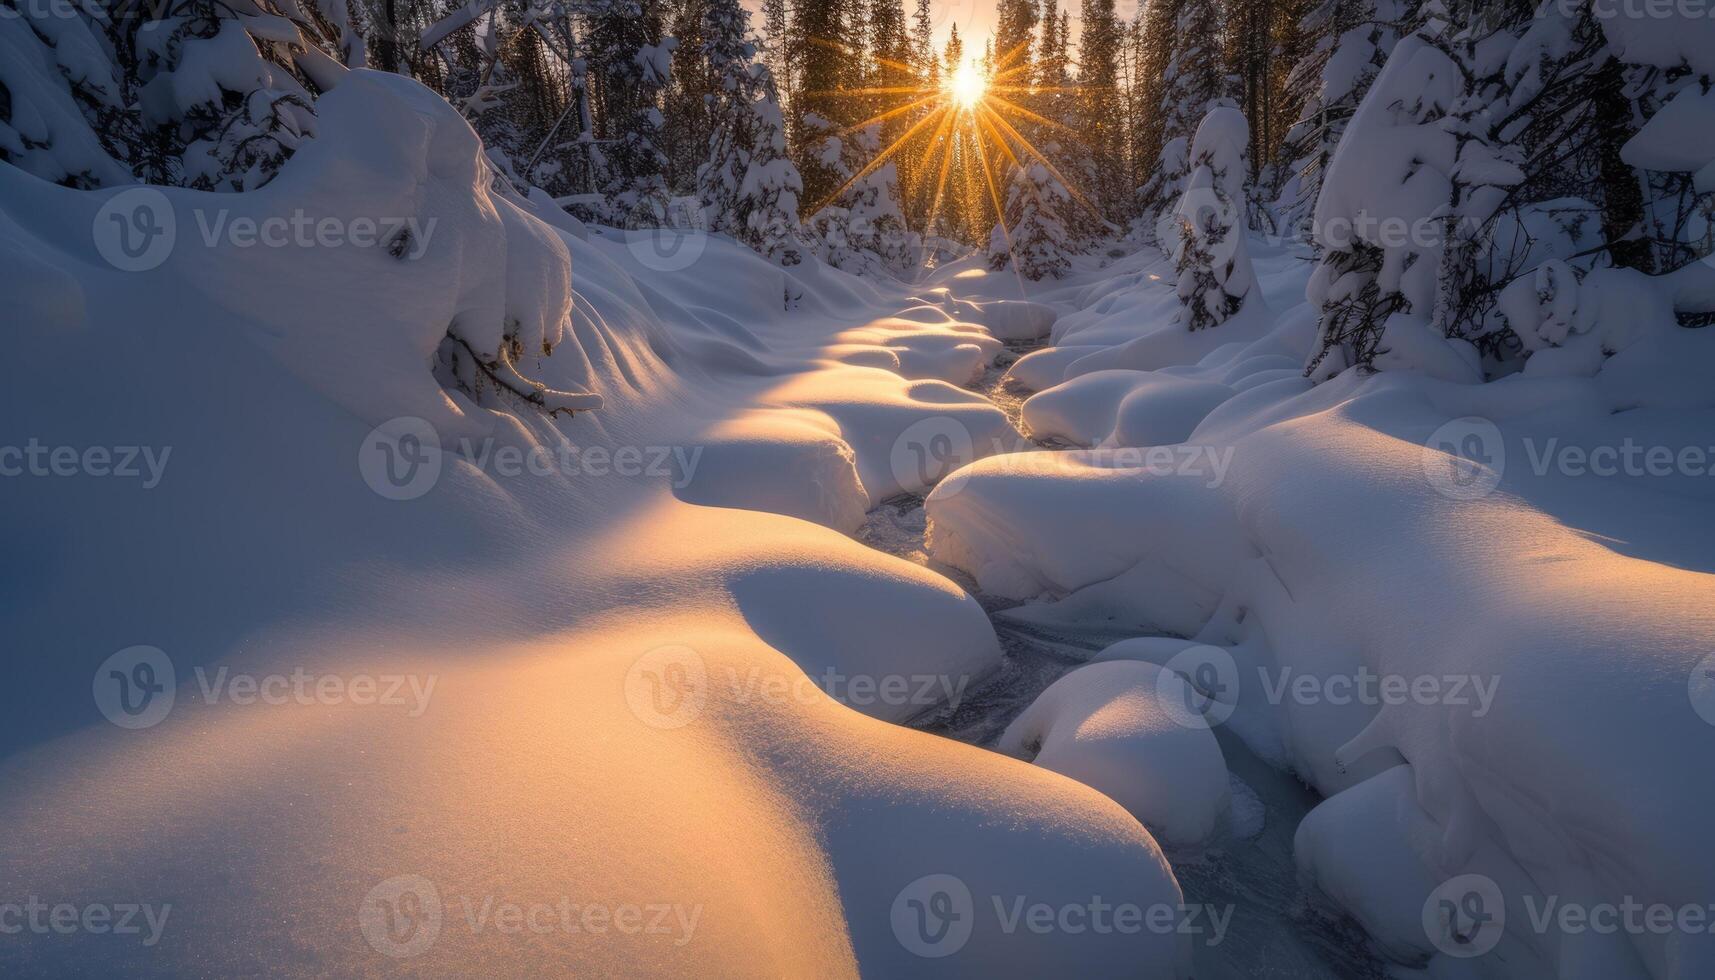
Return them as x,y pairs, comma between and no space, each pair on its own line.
1215,276
1034,238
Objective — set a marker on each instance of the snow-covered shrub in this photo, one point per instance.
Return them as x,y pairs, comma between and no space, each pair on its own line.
1215,275
1034,237
47,120
1589,315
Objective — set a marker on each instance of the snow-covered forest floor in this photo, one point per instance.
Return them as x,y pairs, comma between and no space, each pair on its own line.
392,679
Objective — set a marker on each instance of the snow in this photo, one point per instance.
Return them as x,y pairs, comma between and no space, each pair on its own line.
1123,408
1127,729
592,503
1680,136
555,615
1577,602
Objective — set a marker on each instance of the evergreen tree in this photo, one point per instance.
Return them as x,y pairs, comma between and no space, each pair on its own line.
1034,239
821,55
1100,116
690,95
1013,34
630,63
1363,33
1194,77
1215,276
923,44
748,186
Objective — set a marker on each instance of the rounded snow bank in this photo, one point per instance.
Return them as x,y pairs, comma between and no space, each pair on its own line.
1017,320
410,243
1124,408
782,461
1080,411
1126,728
1163,410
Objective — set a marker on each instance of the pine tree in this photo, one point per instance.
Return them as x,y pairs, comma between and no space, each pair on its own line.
1099,111
923,43
690,95
630,64
1034,239
1363,33
768,197
1154,42
748,186
1195,78
775,28
821,55
1013,34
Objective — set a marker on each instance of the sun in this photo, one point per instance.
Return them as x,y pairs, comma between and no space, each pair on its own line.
967,86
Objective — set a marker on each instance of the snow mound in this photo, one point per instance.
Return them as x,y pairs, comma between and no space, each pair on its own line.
1164,410
1043,369
956,353
906,435
1127,729
783,461
1014,320
1082,410
455,258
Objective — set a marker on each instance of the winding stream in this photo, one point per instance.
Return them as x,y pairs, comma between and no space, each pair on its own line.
1248,867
